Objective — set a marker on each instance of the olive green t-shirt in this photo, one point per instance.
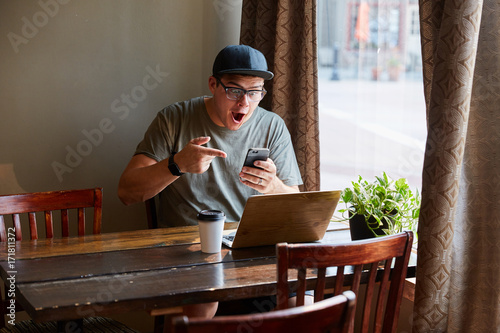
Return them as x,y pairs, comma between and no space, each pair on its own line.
219,187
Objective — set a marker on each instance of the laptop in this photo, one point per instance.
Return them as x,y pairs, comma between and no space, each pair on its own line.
292,217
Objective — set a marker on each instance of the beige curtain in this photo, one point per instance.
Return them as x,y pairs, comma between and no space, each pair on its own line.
285,31
458,270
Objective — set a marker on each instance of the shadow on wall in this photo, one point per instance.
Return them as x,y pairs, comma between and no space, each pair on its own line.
8,180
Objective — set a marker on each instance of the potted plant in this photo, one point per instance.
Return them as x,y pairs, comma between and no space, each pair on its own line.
382,207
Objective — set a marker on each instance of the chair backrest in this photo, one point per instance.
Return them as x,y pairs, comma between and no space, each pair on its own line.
47,202
331,315
151,212
381,261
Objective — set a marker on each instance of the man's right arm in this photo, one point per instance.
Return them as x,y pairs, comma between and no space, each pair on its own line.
144,177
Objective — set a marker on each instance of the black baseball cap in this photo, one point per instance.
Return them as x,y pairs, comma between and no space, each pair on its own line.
241,59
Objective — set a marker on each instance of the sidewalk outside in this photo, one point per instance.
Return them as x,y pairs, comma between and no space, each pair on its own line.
367,127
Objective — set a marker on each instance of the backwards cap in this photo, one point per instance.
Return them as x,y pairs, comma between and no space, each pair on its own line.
241,59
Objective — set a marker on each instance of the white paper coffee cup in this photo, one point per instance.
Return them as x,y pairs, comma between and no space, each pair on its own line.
211,226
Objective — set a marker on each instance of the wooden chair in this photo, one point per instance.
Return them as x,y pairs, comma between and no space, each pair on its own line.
151,213
47,202
370,262
331,315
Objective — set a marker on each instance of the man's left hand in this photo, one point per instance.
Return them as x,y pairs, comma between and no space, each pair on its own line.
263,178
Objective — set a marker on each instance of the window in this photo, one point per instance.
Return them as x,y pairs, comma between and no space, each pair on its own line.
371,102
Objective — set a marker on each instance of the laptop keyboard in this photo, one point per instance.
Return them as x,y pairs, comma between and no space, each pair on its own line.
228,237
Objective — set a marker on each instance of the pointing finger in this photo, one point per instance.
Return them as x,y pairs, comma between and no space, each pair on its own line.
214,152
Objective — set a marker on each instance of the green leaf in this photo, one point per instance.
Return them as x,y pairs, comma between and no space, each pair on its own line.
385,200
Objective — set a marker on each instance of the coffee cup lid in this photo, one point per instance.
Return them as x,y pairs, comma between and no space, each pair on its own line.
210,215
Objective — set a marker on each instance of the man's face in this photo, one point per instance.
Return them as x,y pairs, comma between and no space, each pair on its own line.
228,113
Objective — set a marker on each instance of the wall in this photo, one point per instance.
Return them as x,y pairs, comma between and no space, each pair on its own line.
81,81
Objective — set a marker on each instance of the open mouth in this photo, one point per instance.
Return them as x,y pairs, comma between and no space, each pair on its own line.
238,117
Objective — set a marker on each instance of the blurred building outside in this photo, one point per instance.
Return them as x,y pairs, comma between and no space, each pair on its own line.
371,102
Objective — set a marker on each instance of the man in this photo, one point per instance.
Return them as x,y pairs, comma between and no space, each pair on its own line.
193,152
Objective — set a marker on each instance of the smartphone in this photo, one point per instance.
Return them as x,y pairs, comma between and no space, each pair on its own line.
256,154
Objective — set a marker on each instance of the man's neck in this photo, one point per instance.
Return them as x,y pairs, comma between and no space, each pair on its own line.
209,105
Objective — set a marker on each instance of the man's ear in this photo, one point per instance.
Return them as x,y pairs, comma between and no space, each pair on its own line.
212,84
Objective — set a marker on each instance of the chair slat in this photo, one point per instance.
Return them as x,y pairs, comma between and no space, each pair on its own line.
357,278
339,280
319,291
64,223
396,289
81,221
97,211
383,290
3,232
33,227
17,226
355,288
367,306
49,225
301,286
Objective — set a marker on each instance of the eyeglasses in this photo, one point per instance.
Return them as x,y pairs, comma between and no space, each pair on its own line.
236,94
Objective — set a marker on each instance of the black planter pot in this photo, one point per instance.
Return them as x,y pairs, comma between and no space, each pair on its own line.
360,230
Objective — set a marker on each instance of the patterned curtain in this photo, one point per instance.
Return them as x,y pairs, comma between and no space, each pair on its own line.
458,270
285,31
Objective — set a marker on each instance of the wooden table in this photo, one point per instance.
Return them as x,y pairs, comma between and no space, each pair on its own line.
76,277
